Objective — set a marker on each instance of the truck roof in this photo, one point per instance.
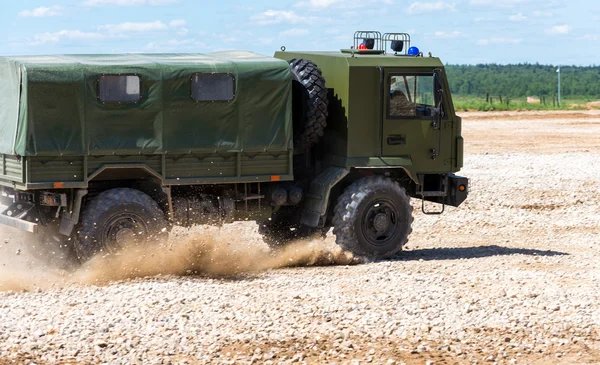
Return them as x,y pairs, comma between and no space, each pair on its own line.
358,59
179,59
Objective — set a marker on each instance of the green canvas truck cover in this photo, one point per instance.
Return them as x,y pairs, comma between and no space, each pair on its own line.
10,76
49,105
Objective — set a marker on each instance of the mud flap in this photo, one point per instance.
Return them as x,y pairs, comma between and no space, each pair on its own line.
317,199
70,219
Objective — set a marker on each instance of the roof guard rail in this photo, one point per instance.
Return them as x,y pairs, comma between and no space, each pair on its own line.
362,36
399,42
373,42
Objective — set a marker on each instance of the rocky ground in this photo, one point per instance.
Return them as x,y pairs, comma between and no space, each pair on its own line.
510,277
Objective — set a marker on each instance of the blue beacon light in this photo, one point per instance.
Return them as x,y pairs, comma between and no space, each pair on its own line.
413,51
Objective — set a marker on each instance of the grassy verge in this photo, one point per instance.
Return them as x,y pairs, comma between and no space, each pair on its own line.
469,103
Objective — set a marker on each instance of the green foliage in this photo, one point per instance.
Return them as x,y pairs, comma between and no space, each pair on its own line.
522,80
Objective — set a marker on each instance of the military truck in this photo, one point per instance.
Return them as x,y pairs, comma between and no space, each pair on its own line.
99,151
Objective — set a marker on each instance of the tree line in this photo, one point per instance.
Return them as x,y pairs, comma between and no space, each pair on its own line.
522,80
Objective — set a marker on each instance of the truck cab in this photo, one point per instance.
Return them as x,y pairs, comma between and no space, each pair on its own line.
391,111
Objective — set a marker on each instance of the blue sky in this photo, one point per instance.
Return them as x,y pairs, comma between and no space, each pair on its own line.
461,31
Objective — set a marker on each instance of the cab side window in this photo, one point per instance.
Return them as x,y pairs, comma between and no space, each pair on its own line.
121,89
410,96
213,87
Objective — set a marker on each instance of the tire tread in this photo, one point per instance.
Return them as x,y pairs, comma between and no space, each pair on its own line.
86,244
315,119
346,209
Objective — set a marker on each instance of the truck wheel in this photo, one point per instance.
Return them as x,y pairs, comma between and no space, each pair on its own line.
310,103
373,218
117,217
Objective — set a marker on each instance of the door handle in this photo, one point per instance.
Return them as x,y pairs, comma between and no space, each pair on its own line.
396,140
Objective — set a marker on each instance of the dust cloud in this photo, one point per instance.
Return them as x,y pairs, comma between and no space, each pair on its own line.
27,263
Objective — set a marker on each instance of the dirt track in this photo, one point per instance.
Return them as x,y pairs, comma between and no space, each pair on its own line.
512,276
532,132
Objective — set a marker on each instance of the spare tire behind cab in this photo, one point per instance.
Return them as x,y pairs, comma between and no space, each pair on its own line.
310,103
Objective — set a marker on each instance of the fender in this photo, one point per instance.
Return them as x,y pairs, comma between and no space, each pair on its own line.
317,199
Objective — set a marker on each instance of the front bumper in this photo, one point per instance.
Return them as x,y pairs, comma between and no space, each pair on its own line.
458,189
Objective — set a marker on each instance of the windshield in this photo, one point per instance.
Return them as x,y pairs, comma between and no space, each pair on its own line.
411,95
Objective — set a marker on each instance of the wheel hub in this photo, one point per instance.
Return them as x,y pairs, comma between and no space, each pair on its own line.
124,235
122,230
381,222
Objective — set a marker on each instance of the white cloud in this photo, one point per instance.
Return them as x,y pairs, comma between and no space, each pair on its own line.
447,35
121,30
346,4
271,17
178,23
500,4
226,37
517,17
233,35
173,45
294,32
55,37
519,5
422,7
180,42
558,30
591,37
41,12
492,41
128,2
108,31
266,41
320,4
275,17
129,27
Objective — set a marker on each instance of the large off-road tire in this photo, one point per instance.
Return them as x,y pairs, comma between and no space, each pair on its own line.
115,218
310,103
284,228
373,218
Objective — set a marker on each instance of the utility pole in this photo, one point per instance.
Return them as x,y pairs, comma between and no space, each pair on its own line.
558,71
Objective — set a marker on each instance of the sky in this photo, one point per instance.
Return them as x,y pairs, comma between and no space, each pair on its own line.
459,32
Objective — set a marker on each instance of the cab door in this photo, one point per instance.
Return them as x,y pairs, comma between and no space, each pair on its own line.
412,119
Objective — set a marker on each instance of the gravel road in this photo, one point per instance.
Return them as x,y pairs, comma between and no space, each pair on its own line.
510,277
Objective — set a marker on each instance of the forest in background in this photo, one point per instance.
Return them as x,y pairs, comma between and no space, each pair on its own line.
523,80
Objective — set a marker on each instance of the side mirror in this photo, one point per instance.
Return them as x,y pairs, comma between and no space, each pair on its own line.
438,93
437,80
438,90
